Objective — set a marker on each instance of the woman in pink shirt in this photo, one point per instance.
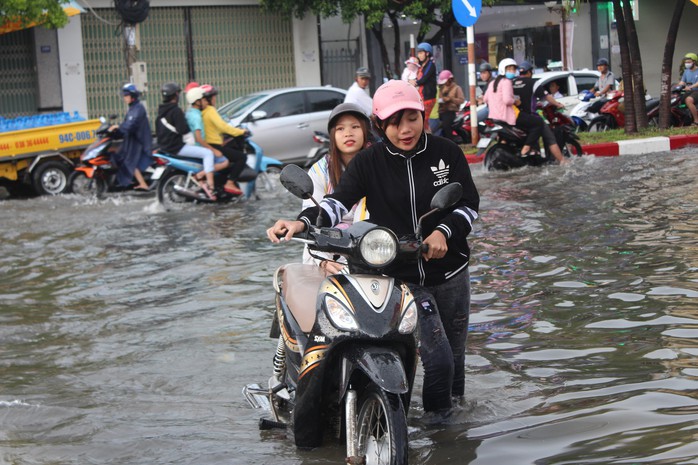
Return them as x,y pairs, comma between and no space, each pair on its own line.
500,99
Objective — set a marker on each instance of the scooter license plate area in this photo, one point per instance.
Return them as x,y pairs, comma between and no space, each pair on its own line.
483,142
157,173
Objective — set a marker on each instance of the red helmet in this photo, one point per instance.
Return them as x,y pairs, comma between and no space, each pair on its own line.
396,95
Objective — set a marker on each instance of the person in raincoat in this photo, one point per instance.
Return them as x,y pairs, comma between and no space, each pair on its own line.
135,154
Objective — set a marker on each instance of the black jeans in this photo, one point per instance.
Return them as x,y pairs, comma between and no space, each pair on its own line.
236,158
444,311
532,125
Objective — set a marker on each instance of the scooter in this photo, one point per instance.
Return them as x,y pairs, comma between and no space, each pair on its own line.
504,143
178,185
680,115
346,355
316,153
98,167
586,110
610,114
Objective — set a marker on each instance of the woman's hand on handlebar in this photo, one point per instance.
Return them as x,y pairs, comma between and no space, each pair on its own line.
284,228
437,246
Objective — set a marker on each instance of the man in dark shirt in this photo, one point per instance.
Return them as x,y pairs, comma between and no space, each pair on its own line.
528,119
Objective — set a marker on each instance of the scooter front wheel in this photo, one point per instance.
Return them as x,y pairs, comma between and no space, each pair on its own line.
382,428
80,184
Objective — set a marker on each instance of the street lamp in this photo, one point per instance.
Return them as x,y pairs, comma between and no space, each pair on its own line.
563,10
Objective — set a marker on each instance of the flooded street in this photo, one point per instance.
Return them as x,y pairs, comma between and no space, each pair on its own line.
127,332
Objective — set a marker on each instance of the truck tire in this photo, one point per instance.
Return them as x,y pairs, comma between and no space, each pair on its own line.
50,177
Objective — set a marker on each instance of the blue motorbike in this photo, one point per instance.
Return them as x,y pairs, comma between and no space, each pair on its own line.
178,186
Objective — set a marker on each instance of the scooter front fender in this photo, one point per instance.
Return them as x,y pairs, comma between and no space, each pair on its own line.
382,365
88,170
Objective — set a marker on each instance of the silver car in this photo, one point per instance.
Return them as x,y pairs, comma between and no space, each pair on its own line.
283,121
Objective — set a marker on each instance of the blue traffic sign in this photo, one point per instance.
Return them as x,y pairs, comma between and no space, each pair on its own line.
466,11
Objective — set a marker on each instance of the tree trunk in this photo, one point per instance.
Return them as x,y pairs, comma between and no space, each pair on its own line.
626,62
396,42
638,77
665,92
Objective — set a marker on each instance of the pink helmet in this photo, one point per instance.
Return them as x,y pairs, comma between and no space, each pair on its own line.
191,86
444,76
396,95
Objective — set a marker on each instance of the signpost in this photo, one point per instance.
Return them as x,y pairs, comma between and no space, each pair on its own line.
467,13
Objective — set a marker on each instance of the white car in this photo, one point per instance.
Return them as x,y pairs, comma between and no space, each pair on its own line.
283,121
571,83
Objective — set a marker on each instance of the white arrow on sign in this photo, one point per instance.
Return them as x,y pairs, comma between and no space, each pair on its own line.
470,8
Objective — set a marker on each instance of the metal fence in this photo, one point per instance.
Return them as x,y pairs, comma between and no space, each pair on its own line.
339,63
18,80
238,49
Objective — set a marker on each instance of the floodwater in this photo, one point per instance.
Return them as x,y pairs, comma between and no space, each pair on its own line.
127,333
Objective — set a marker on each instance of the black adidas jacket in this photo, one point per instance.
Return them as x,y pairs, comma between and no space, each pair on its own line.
398,190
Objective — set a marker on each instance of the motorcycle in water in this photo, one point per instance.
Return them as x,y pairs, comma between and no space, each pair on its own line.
346,353
680,115
316,153
503,144
178,186
98,167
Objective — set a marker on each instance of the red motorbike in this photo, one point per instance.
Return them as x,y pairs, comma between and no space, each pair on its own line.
611,115
679,112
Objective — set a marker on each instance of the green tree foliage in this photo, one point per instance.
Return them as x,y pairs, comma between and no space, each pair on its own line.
46,12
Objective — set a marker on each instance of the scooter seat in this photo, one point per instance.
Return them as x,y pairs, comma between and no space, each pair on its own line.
300,287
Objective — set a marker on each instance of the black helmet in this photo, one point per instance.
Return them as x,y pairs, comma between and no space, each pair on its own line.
602,61
485,67
343,108
169,90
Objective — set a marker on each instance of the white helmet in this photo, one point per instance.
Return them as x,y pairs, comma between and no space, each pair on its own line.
197,93
503,65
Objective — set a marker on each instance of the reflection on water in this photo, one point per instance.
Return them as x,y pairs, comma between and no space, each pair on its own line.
127,333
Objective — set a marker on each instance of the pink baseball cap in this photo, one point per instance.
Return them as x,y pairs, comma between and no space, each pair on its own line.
396,95
444,76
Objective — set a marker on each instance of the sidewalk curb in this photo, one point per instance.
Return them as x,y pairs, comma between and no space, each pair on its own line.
627,147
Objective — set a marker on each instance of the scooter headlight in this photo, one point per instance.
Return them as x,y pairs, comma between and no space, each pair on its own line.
409,319
90,154
340,316
378,247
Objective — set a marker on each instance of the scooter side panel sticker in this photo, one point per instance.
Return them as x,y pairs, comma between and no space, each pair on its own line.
311,358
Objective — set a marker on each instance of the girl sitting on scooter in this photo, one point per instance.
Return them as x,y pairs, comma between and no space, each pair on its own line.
349,130
399,176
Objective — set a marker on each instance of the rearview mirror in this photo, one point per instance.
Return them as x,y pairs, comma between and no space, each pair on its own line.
447,196
257,115
297,181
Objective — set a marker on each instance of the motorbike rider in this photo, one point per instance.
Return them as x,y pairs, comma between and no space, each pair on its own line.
486,77
526,102
358,93
134,157
198,102
451,98
399,177
689,79
606,81
350,132
171,128
214,128
426,79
